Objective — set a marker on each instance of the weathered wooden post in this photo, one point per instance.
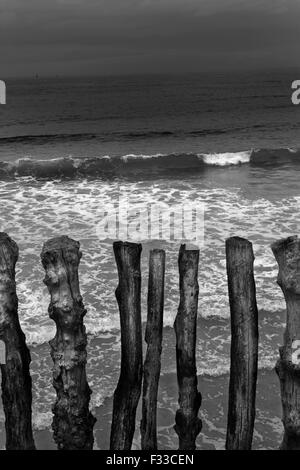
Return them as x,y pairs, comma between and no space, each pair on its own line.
244,344
153,338
72,422
188,425
16,380
287,254
128,391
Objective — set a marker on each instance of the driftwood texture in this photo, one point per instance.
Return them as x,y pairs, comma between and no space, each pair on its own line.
244,344
16,380
188,425
153,338
72,422
128,391
287,254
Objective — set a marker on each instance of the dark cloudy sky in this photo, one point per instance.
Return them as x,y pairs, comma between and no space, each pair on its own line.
68,37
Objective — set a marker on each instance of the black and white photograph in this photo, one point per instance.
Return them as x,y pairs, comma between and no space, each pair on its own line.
149,222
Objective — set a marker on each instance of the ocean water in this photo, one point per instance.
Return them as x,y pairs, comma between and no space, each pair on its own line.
68,147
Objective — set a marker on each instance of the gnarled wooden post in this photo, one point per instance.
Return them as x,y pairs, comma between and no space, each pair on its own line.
287,254
244,344
188,425
72,422
128,391
153,337
16,380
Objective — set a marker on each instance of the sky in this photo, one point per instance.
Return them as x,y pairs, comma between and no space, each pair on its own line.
104,37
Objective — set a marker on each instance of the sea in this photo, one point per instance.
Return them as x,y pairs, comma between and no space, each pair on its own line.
70,146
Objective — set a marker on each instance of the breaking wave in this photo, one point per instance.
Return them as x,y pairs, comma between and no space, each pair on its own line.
126,165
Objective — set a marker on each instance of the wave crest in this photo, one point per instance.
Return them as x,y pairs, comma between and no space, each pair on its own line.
127,165
228,158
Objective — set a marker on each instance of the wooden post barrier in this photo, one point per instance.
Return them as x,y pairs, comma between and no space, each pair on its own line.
153,338
188,425
287,254
72,422
244,344
128,391
16,380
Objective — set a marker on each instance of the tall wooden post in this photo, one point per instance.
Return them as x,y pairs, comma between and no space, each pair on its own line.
244,344
188,425
72,422
16,380
127,393
153,337
287,254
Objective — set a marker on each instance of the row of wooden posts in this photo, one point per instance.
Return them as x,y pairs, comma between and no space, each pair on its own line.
72,420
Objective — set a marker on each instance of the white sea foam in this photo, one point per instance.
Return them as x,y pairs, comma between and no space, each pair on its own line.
33,212
228,158
42,420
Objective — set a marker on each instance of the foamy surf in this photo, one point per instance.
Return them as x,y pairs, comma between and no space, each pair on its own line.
31,211
227,159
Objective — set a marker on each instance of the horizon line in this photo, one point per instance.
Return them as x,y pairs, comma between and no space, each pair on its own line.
38,76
